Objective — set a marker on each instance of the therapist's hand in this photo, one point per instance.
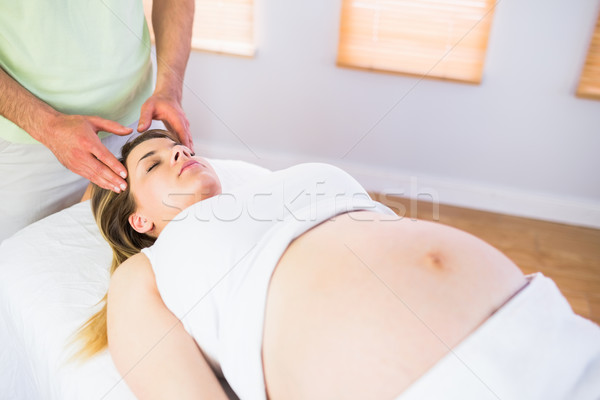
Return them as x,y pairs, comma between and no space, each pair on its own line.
166,108
74,141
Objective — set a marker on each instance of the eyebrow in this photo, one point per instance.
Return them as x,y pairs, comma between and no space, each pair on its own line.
148,154
151,153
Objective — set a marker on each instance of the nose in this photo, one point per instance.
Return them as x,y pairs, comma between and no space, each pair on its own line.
178,154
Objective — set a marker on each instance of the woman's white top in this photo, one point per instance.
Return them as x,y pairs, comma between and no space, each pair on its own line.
213,262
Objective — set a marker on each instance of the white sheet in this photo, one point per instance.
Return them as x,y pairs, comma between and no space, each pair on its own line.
51,275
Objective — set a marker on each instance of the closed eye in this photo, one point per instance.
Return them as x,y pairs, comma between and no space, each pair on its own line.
154,164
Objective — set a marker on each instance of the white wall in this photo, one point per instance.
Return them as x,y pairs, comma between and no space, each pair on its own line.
520,143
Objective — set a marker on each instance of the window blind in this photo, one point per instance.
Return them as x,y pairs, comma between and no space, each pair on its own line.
445,39
222,26
589,83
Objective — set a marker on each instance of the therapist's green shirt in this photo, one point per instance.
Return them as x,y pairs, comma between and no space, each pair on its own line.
88,57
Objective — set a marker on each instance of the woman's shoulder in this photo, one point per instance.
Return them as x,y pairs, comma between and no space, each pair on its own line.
233,173
319,173
136,268
319,169
309,170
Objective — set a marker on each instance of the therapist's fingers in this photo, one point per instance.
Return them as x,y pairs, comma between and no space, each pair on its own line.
181,127
176,121
163,107
146,115
107,125
100,174
85,163
74,141
99,151
103,155
101,167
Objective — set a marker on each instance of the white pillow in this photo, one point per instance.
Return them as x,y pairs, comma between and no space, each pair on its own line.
52,273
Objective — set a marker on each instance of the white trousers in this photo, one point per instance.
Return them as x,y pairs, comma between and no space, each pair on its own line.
34,184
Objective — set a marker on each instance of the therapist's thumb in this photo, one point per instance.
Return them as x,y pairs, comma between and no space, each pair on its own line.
145,117
110,126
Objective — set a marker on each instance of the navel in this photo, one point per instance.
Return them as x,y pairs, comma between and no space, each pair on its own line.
435,260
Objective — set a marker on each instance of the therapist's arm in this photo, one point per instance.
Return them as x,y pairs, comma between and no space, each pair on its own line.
172,21
153,352
72,138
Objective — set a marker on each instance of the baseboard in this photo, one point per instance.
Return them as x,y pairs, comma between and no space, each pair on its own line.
504,200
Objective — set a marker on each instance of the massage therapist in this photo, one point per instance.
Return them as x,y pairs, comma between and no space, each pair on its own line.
76,79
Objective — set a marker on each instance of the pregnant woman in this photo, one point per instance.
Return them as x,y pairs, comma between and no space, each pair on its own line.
296,285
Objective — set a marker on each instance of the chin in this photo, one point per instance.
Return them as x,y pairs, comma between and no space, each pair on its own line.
209,185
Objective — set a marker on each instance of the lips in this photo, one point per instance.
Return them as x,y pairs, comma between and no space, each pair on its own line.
188,164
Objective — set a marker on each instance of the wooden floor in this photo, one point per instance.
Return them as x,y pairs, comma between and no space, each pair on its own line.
570,255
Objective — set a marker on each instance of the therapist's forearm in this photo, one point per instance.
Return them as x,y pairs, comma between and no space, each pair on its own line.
20,106
172,21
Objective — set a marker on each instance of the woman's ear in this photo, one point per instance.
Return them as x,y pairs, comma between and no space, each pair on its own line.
140,223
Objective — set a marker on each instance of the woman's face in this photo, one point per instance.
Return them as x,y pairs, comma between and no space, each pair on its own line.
165,178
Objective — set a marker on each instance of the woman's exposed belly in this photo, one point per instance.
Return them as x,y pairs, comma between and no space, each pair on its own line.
361,309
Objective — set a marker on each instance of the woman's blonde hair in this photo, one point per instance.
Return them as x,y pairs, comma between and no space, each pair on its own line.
111,212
